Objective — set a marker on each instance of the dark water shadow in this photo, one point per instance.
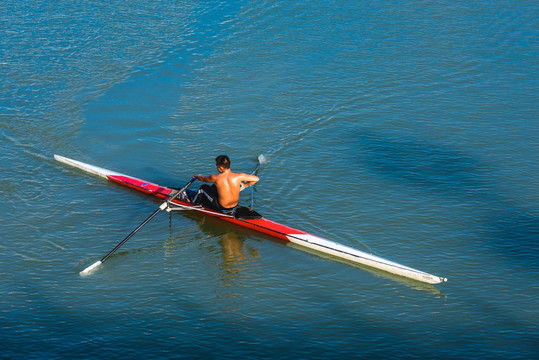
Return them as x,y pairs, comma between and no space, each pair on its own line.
509,230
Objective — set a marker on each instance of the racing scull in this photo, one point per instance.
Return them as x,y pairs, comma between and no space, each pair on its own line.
250,219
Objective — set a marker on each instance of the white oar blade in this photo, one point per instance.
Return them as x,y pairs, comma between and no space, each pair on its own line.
262,159
90,268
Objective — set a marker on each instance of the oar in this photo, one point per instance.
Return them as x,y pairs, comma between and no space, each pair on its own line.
261,159
162,207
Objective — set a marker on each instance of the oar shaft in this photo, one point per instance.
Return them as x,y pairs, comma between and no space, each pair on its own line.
254,172
252,187
256,169
162,207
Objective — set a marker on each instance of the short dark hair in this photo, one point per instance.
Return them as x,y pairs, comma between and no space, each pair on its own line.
223,160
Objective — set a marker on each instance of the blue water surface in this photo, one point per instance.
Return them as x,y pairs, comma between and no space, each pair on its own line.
404,129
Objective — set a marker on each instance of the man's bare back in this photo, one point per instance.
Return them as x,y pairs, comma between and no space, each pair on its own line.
228,183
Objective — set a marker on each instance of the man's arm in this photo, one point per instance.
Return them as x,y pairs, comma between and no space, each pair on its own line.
203,178
249,180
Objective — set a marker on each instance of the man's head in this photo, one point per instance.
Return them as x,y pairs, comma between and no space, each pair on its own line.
222,161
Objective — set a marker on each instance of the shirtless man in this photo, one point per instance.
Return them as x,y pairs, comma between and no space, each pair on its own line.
224,194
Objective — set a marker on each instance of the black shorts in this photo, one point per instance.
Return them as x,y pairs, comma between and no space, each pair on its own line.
208,197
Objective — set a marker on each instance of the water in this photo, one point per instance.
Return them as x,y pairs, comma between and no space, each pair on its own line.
403,129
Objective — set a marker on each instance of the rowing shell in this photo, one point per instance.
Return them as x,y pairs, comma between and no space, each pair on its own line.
262,225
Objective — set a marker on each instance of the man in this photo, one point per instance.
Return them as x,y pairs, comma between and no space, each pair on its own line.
224,194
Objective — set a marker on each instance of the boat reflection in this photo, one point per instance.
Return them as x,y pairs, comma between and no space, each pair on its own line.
236,256
414,284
